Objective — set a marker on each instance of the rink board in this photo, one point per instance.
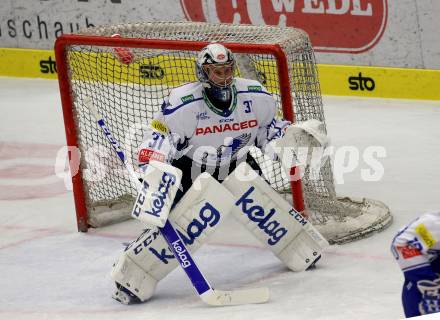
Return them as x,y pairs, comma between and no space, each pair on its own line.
361,81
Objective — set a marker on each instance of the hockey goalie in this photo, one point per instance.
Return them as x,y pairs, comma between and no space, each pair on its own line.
196,153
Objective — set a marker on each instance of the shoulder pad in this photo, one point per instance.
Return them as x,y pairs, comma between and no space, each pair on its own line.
249,85
182,96
185,94
255,88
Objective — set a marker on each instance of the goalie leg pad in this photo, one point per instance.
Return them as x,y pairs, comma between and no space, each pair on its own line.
273,221
148,259
133,278
301,253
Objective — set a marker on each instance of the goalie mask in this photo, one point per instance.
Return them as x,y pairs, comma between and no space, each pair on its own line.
215,69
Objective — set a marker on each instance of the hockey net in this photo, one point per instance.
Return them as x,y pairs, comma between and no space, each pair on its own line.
162,56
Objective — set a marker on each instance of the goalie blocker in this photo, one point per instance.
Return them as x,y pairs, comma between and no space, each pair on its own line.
160,182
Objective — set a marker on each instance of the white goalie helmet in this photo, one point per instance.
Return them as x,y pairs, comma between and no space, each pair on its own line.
215,68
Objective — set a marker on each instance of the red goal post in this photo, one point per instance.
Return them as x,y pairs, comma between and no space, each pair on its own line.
65,41
281,58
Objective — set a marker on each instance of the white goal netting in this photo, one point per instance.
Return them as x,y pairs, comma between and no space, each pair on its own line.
128,95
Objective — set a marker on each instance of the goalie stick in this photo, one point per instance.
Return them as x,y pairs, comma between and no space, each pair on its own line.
205,291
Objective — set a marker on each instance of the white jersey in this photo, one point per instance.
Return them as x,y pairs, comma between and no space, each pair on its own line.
417,244
210,136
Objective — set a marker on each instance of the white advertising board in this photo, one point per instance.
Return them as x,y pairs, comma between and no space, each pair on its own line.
387,33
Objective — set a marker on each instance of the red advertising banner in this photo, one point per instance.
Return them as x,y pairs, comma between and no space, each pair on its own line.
349,26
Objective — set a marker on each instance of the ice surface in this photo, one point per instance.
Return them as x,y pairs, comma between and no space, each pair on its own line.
50,271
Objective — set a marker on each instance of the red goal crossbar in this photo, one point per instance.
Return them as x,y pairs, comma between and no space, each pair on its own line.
61,49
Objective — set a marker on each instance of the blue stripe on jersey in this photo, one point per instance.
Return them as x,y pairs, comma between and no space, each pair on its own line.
166,111
263,92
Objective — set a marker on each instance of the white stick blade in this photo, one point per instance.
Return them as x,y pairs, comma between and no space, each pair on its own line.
236,297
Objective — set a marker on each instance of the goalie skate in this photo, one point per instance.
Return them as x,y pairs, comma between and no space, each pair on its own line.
124,296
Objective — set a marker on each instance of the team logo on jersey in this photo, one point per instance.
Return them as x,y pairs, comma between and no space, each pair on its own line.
425,235
225,127
230,149
202,116
159,126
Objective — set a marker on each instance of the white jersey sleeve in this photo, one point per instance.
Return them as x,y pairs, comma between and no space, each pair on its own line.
157,144
417,244
170,129
270,127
